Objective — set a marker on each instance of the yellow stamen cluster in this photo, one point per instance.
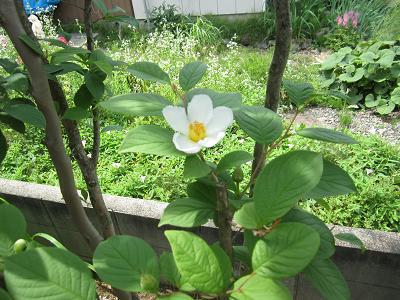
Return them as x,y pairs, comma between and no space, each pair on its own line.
197,131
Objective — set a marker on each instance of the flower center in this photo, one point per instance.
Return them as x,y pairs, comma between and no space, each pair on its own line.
197,131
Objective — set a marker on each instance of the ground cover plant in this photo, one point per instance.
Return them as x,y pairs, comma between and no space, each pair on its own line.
368,74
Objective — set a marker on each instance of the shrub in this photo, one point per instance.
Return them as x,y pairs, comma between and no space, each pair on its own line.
367,75
342,37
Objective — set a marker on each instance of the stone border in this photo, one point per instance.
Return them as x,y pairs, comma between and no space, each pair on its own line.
373,275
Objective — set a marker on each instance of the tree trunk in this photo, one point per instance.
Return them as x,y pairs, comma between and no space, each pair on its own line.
13,25
275,73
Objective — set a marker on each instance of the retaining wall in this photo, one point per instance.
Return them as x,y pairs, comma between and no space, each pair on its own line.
374,275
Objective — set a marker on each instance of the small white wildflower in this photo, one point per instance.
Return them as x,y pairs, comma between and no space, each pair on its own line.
116,165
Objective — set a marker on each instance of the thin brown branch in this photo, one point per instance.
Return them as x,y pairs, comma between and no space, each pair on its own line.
11,21
96,137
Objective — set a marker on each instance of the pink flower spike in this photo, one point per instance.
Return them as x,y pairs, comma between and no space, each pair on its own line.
339,20
63,40
345,20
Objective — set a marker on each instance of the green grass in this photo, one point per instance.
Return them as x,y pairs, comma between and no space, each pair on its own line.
233,69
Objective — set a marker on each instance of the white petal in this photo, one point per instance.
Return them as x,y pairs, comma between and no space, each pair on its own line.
176,118
222,118
200,109
182,143
211,140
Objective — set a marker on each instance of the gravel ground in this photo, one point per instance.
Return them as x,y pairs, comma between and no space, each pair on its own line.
362,122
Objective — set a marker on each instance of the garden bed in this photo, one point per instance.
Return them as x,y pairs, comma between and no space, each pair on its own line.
371,275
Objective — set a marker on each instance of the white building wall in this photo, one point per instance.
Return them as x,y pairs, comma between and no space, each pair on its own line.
200,7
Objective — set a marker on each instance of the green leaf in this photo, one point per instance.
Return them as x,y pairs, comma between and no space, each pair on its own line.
175,296
195,167
8,65
12,227
95,85
3,147
191,74
50,239
255,287
351,239
17,82
286,251
248,217
327,241
34,45
196,261
234,159
136,104
386,108
335,58
334,182
26,113
150,139
298,92
42,273
284,181
387,58
350,78
370,101
101,6
76,114
83,98
326,135
13,123
261,124
4,295
242,254
123,19
122,261
104,66
68,54
327,279
187,213
169,270
231,100
395,96
224,263
203,192
149,71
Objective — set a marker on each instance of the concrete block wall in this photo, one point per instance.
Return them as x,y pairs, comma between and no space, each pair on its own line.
374,275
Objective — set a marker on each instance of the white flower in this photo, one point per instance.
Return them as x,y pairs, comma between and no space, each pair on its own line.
202,126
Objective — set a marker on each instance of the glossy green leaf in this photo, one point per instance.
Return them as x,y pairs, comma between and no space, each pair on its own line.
224,263
4,295
34,45
242,255
261,124
26,113
350,78
169,270
256,287
326,135
298,92
13,123
334,182
3,147
327,241
122,261
194,167
395,96
335,58
187,213
68,54
370,101
351,239
12,227
387,57
286,251
48,273
83,98
386,108
231,100
18,82
123,19
76,114
8,65
49,238
191,74
150,139
327,279
136,104
149,71
203,192
248,217
95,85
234,159
284,181
175,296
196,261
